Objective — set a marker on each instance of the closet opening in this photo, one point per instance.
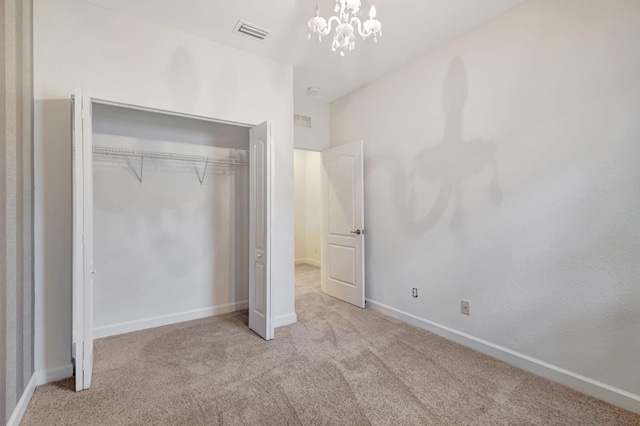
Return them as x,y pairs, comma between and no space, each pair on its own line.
171,221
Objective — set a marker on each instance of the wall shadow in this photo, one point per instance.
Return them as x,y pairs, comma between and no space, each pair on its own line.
445,165
53,218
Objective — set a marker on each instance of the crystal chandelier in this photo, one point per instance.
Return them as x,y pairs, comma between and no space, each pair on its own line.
346,22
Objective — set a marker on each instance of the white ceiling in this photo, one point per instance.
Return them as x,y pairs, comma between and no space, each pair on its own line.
410,27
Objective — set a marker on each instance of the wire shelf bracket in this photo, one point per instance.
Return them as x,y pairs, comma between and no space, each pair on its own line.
138,176
201,178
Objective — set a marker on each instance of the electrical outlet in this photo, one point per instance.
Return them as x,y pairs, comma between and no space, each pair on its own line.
464,307
414,292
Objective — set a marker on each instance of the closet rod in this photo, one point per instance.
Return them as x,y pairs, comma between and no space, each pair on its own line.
165,156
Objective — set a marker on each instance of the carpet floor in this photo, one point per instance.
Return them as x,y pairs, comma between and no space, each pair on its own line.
338,365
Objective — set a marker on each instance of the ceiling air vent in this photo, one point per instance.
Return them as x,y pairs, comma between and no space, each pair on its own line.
250,30
302,121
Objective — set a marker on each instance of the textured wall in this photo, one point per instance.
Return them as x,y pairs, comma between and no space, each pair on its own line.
16,218
502,168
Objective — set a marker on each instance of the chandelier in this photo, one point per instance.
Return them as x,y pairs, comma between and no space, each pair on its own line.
346,22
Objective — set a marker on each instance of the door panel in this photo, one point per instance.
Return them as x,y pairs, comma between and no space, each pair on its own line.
260,302
343,223
342,264
260,180
82,262
341,203
78,230
87,164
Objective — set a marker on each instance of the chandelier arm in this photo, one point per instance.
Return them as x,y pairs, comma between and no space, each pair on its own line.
357,21
327,29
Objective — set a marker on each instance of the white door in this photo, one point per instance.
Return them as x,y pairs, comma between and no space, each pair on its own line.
260,181
343,223
82,277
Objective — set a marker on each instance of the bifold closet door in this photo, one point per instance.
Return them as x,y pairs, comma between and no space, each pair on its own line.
260,181
82,275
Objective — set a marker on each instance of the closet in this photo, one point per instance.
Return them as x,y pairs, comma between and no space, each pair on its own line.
171,233
171,221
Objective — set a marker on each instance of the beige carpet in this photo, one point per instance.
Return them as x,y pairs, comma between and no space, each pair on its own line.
339,365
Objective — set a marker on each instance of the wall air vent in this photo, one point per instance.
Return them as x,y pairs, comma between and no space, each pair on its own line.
250,30
302,121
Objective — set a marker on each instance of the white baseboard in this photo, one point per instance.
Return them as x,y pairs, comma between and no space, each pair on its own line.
594,388
130,326
53,375
23,402
282,320
308,262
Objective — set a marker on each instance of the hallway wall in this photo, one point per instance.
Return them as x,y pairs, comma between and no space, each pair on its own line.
308,205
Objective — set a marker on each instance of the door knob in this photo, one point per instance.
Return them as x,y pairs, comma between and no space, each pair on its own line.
357,232
259,256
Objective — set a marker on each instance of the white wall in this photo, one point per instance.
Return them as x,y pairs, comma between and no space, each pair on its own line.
308,206
313,204
119,57
300,183
167,248
317,137
502,168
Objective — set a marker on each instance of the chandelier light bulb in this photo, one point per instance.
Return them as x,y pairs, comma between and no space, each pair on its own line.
372,12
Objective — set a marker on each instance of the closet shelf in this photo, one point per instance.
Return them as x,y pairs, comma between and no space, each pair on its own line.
165,156
201,159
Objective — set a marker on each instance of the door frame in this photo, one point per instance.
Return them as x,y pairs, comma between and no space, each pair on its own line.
82,256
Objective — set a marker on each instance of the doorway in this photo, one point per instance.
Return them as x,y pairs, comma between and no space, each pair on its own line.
307,166
329,218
